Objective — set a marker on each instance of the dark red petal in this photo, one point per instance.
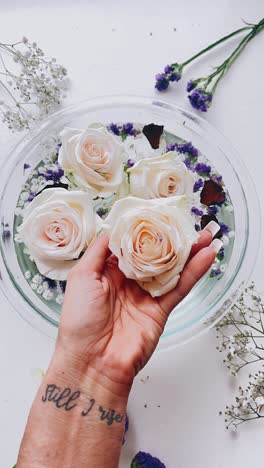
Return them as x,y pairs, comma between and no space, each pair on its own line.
212,193
153,133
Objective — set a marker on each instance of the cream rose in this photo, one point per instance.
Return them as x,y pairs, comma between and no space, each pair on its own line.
93,158
152,240
162,176
57,227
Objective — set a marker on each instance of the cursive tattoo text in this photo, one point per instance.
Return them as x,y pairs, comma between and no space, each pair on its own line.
68,400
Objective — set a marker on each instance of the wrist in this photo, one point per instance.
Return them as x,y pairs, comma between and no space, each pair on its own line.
71,369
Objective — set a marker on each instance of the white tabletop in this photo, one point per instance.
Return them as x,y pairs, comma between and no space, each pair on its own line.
113,47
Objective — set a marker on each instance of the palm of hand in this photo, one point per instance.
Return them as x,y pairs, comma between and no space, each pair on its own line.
110,321
115,320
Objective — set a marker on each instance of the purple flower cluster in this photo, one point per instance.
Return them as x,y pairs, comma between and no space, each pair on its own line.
131,162
6,233
114,128
171,73
215,273
221,254
126,428
184,148
145,460
54,175
188,164
224,228
122,130
31,196
218,178
190,86
187,148
198,185
200,99
212,210
196,211
203,169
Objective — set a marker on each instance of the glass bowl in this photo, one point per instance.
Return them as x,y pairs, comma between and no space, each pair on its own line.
209,300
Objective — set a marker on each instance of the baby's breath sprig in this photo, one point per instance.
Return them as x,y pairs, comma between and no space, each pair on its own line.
241,335
249,403
241,331
31,85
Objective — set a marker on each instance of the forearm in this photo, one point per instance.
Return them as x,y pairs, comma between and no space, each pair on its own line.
77,419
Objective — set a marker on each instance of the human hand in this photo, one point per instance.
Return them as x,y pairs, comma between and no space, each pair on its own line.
109,322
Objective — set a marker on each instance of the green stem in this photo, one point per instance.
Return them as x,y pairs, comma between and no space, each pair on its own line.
238,31
224,67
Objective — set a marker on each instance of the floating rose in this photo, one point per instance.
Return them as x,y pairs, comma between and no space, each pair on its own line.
93,158
57,227
152,240
162,176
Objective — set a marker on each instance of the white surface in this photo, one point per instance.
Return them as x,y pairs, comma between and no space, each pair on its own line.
108,49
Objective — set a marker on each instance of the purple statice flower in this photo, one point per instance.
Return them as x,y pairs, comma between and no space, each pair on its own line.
200,99
126,428
203,169
114,129
171,147
6,234
188,163
224,228
218,178
128,129
168,69
187,148
131,162
145,460
26,166
215,273
31,196
174,77
212,210
198,184
221,254
196,211
190,86
162,82
197,227
63,285
54,174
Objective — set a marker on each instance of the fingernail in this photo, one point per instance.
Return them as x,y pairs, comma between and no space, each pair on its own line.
216,244
212,227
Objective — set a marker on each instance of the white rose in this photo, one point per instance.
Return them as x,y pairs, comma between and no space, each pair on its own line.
139,147
93,157
163,176
152,240
57,227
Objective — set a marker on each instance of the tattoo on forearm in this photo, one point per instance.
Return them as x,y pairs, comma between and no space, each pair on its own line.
64,398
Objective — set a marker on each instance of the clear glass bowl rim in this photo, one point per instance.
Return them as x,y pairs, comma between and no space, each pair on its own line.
247,262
